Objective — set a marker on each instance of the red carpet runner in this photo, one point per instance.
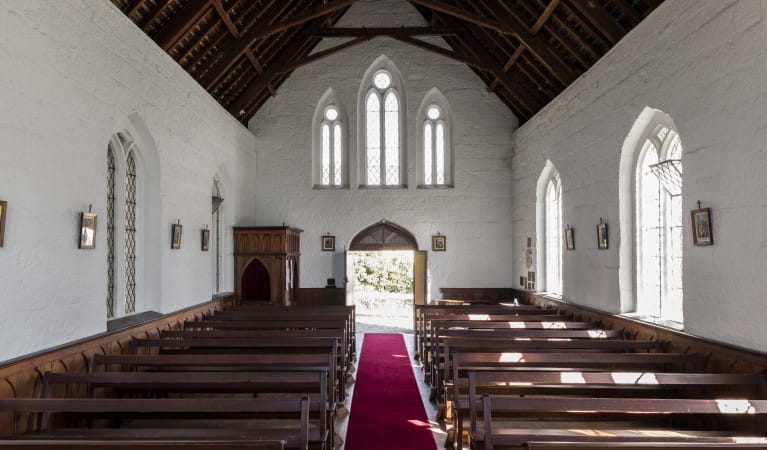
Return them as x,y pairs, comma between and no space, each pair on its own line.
387,412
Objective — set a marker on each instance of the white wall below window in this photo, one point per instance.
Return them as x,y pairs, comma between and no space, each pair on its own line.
475,215
72,72
704,63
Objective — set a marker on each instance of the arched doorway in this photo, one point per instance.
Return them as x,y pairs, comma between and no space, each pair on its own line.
256,285
387,275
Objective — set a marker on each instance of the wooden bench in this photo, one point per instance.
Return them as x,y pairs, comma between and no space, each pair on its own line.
304,383
424,313
758,443
643,409
467,391
173,410
96,444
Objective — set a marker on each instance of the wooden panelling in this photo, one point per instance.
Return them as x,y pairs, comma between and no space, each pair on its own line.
278,249
22,377
320,296
478,294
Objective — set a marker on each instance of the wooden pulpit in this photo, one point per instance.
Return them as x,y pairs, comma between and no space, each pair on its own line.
266,264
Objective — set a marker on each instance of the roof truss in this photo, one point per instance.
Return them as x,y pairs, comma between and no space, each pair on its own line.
526,51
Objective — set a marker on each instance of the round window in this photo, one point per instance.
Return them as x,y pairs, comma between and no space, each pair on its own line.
433,112
331,113
382,80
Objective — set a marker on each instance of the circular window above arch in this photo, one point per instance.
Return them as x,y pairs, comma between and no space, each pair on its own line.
331,113
382,79
433,112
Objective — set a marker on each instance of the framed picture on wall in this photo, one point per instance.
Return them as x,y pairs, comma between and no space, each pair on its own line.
175,242
205,239
602,239
328,243
87,231
3,211
439,243
569,238
701,226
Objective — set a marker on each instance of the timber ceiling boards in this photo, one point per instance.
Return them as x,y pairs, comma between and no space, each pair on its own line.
526,51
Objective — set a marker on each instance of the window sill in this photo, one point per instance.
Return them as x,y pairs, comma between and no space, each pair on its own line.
330,187
435,186
383,186
671,324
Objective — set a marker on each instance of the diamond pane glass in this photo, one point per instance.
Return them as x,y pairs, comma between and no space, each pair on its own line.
440,153
553,239
382,80
373,138
130,234
337,157
391,138
110,232
325,178
650,233
427,152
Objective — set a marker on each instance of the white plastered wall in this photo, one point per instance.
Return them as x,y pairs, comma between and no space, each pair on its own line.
704,63
475,215
72,74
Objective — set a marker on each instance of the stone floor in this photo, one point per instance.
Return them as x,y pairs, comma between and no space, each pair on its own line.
406,329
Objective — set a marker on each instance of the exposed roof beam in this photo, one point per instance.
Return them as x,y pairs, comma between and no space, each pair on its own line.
237,48
156,14
512,60
279,65
385,31
259,70
442,51
510,25
544,16
327,52
136,6
180,23
226,19
526,101
600,19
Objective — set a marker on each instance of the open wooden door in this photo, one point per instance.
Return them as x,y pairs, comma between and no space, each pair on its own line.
419,277
350,279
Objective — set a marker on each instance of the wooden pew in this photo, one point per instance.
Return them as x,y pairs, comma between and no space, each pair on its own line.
173,410
761,443
313,384
424,312
53,444
433,343
311,310
573,408
467,391
225,363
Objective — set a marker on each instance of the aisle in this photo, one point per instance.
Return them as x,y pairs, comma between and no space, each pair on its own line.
386,407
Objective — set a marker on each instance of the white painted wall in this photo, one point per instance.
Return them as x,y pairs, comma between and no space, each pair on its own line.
72,74
703,62
475,215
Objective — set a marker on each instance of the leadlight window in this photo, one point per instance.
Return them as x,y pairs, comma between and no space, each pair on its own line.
130,233
382,132
331,149
659,224
553,211
110,232
434,147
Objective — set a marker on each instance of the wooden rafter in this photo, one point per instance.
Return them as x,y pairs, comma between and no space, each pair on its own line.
180,24
279,65
327,52
599,19
231,53
458,56
544,16
385,31
526,51
226,19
